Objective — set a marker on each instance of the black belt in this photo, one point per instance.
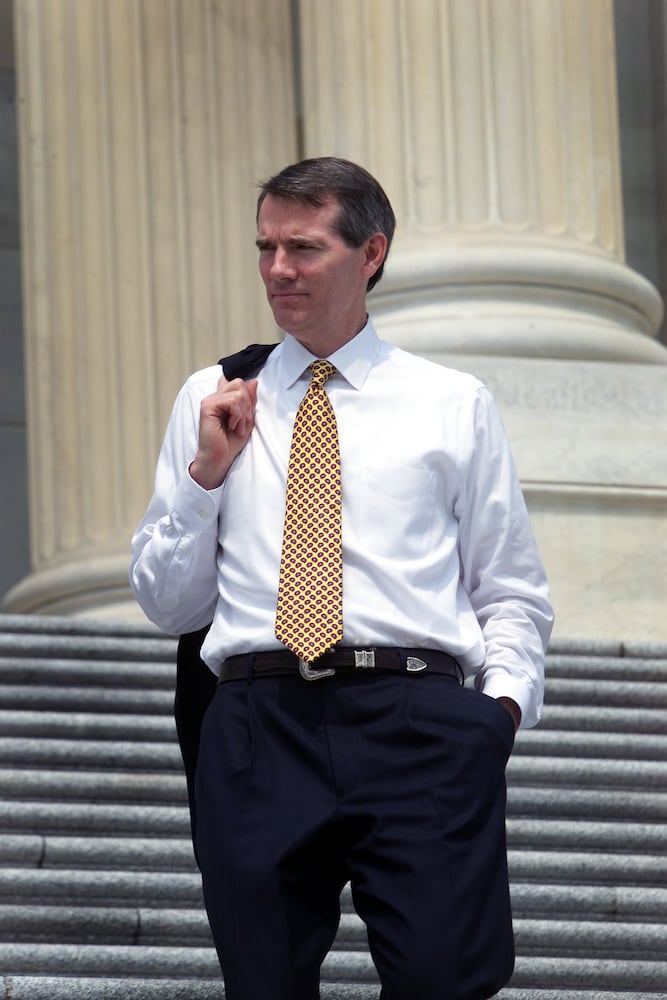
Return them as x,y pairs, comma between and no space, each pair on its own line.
342,660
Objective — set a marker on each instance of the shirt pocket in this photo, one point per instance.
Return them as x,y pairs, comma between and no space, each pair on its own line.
395,510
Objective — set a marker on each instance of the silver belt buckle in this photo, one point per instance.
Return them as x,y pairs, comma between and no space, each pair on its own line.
364,659
314,675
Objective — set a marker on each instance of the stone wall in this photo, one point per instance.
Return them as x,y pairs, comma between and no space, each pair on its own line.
14,523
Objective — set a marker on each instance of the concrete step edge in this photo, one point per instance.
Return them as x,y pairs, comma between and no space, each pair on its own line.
595,772
107,988
622,694
70,887
108,755
50,850
48,698
53,817
544,742
92,646
95,818
145,926
532,800
75,626
637,669
587,868
100,853
351,967
49,724
571,717
593,974
65,672
35,749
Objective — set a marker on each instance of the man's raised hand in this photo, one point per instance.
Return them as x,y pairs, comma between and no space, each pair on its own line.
226,420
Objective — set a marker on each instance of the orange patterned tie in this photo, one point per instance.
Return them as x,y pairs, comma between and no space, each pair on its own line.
309,614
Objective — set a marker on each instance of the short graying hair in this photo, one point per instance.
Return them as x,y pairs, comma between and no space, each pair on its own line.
364,208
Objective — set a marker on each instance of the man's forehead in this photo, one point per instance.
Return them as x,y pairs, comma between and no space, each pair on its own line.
290,214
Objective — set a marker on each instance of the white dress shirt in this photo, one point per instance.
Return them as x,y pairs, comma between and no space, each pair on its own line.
438,551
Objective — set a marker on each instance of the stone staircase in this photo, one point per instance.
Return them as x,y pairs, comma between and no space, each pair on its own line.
100,898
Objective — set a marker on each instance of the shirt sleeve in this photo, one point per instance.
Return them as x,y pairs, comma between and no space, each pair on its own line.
501,570
173,569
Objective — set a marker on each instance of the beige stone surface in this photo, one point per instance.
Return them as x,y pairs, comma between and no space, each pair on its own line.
590,443
143,129
494,128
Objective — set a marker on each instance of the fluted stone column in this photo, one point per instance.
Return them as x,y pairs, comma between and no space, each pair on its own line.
143,127
493,125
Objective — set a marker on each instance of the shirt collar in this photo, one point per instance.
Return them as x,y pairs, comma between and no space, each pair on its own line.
353,360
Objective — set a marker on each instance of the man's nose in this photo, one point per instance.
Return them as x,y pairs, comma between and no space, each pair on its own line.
282,265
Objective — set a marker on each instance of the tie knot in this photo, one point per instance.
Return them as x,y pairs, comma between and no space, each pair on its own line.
322,370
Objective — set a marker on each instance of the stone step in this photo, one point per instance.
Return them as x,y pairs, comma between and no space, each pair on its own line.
35,625
127,854
161,927
619,693
169,853
590,835
590,803
90,647
86,988
57,672
604,745
604,668
87,725
563,732
109,754
48,851
92,786
73,887
156,785
110,988
28,752
639,709
95,819
30,747
644,720
52,988
338,967
606,903
136,887
134,664
591,772
98,853
98,884
143,887
588,867
85,699
159,820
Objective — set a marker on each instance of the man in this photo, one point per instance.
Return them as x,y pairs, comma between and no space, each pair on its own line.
368,762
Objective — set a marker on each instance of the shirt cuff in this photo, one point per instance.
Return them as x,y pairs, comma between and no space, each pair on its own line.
498,685
194,509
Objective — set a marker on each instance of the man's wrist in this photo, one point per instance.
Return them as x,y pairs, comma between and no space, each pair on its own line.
513,709
203,477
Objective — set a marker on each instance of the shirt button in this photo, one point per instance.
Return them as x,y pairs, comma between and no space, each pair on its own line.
203,514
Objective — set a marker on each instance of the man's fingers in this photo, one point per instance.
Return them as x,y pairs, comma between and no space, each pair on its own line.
236,400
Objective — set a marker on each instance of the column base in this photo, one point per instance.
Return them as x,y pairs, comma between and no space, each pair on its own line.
589,440
519,301
95,588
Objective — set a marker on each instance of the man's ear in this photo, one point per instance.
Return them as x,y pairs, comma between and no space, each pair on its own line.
376,251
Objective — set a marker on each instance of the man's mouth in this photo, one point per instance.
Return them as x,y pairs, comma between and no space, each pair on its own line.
284,296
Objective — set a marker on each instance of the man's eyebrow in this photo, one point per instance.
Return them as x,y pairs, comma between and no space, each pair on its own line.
262,242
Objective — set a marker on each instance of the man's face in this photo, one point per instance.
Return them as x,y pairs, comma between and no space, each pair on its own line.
315,282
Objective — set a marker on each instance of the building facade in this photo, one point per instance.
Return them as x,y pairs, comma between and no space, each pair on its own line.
522,145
